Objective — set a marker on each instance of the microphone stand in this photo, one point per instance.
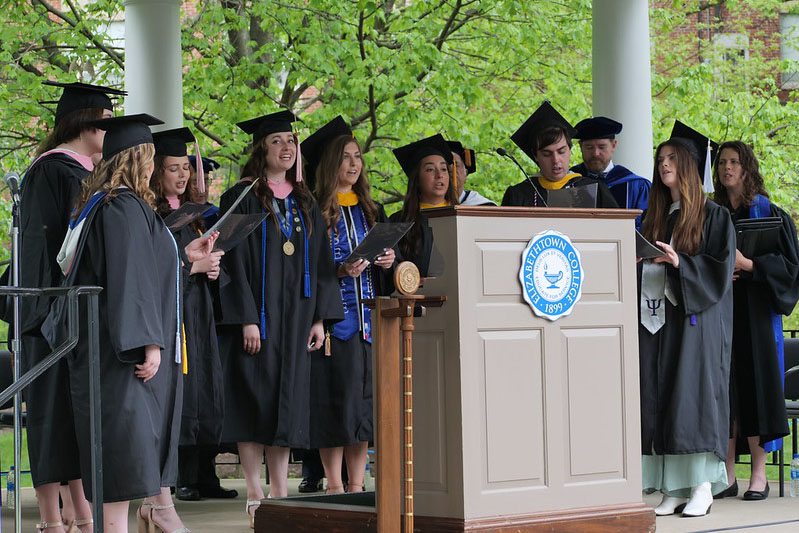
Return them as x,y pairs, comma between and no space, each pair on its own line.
16,350
504,153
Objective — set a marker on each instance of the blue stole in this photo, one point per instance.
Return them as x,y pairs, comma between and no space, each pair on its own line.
761,208
343,241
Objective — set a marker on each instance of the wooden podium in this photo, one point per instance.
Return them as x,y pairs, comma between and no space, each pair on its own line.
519,423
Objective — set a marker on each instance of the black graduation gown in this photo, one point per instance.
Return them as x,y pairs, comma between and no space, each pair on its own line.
230,195
341,384
49,190
203,398
267,395
126,249
756,393
685,366
523,194
424,247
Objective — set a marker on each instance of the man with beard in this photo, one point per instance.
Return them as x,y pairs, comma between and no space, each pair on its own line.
597,137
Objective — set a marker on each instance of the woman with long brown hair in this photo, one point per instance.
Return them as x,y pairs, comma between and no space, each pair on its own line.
685,335
282,289
122,245
427,165
765,287
341,382
174,184
49,189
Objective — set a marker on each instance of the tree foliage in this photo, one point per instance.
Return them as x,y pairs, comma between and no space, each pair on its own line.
401,69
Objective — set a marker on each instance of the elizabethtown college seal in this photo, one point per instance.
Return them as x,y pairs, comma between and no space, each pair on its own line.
551,275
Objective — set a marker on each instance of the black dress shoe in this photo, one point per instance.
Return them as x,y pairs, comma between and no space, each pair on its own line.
310,485
219,492
756,495
187,494
729,492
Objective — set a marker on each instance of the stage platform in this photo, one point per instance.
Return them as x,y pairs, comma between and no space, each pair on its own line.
775,515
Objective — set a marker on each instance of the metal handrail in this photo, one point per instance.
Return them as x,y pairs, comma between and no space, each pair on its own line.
73,332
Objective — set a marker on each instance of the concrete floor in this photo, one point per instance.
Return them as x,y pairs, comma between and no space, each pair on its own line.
775,515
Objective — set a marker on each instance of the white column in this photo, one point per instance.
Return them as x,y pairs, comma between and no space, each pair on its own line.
153,63
622,87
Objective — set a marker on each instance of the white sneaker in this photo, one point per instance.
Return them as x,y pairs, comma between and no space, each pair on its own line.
668,505
700,502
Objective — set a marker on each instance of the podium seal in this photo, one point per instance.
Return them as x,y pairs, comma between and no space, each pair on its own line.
551,275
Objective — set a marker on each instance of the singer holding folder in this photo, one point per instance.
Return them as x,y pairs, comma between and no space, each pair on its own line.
49,190
282,288
685,335
546,139
341,381
766,287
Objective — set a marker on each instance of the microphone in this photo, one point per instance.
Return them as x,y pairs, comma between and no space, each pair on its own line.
12,180
504,153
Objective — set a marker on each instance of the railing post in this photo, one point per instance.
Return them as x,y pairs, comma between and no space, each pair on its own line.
95,417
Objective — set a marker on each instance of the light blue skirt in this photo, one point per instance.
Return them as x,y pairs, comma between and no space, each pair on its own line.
675,475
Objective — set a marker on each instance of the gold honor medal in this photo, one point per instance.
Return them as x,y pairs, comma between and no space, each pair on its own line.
288,248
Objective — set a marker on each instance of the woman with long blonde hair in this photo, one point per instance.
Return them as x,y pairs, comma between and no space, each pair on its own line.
685,335
118,242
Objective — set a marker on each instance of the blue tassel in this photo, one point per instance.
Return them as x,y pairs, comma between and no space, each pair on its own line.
263,279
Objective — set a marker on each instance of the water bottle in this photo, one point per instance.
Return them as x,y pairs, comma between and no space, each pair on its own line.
11,490
795,476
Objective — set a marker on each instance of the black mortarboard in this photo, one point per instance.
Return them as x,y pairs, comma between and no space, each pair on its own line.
314,145
82,96
125,132
697,143
273,123
597,128
172,142
543,117
208,163
410,154
466,155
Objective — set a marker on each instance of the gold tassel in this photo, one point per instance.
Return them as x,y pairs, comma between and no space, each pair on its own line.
467,156
455,181
184,350
327,344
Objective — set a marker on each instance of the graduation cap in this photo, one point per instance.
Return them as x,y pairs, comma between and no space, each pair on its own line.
597,128
260,127
125,132
314,146
410,154
207,162
78,96
544,117
173,142
466,155
702,148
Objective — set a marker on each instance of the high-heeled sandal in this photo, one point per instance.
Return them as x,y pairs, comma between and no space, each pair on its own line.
251,503
41,526
74,527
152,526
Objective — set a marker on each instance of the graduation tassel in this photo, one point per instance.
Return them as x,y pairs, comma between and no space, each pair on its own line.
263,279
707,178
307,272
467,156
198,163
455,180
298,162
327,343
185,350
